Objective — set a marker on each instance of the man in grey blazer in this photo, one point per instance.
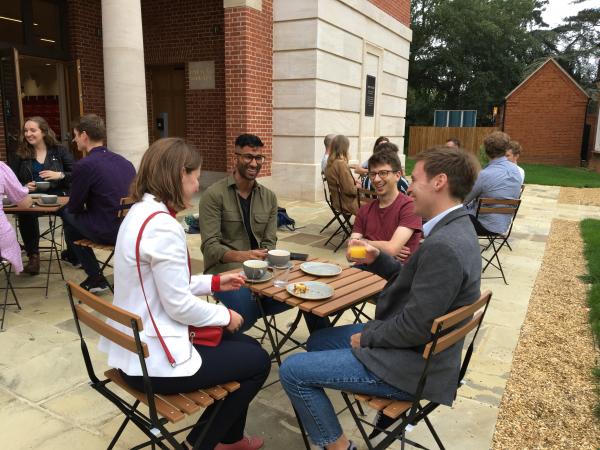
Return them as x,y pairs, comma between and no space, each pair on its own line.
383,357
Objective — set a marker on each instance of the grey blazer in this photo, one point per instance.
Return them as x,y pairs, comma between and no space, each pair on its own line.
441,276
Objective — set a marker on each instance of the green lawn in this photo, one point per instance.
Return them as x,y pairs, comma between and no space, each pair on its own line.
548,175
561,176
590,231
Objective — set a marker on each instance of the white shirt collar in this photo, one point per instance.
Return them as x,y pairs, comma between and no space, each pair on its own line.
428,226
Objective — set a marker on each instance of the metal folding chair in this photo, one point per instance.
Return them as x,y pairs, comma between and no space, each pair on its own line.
126,203
327,196
6,269
93,311
496,241
446,331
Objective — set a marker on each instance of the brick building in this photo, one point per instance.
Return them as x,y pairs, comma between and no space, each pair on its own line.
290,72
546,113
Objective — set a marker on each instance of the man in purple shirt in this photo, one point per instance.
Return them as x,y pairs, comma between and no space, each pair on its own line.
98,183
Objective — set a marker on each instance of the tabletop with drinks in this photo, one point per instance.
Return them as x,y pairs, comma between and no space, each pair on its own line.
316,286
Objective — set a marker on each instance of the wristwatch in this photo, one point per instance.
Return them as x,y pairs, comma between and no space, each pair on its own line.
62,175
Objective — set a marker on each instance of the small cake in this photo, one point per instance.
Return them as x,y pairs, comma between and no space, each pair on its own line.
300,288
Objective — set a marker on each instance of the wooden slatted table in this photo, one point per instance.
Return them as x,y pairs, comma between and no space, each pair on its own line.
51,212
351,288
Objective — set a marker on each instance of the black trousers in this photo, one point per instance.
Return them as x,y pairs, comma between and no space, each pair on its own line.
29,227
479,229
237,358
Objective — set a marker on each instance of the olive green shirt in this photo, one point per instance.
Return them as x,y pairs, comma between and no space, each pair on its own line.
222,224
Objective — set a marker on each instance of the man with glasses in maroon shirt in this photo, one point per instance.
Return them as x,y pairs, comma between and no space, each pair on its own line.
238,222
389,223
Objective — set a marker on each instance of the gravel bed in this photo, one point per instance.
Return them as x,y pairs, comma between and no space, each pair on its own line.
580,196
550,395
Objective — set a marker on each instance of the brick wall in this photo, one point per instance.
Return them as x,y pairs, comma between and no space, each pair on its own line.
546,116
249,77
398,9
85,43
180,32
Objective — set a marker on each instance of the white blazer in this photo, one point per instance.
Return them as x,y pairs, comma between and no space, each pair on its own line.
171,295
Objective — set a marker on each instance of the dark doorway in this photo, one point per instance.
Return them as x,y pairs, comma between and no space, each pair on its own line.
168,101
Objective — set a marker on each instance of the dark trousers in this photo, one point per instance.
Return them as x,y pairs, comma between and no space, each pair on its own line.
479,229
237,358
75,231
29,227
245,305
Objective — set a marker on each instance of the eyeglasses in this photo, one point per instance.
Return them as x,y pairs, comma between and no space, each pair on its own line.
383,174
248,157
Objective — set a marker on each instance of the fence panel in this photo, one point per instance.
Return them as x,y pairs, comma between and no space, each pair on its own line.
471,138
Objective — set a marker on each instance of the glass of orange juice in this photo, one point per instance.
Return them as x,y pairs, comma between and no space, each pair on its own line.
358,252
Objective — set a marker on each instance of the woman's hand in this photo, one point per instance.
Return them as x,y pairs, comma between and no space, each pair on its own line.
232,282
50,175
30,186
235,323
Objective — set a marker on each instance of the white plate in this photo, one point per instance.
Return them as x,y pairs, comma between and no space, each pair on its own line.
315,290
321,269
266,277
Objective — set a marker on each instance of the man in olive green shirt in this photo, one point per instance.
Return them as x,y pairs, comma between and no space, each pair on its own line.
238,222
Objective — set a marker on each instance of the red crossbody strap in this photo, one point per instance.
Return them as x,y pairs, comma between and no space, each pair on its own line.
139,270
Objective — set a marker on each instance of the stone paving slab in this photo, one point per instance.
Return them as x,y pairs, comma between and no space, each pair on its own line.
45,401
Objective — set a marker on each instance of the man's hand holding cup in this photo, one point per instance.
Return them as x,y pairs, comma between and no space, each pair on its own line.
360,252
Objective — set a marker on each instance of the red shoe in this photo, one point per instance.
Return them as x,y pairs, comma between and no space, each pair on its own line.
247,443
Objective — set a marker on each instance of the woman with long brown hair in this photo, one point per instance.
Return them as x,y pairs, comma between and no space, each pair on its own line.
40,157
339,178
153,280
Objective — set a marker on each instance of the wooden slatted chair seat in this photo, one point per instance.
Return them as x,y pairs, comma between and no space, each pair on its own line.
391,408
93,311
95,245
175,407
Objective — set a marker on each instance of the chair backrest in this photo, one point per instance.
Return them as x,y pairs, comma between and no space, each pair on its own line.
499,206
98,324
448,330
440,341
126,204
326,189
522,189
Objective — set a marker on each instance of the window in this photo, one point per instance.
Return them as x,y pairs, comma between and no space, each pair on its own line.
46,24
11,22
454,118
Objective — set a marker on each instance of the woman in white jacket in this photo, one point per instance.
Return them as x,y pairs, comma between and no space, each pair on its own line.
153,280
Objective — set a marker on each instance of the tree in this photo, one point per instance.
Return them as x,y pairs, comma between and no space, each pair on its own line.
468,54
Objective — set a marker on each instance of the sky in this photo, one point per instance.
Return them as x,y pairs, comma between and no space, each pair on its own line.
556,10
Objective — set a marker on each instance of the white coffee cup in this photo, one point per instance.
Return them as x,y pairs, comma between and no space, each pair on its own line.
255,268
278,258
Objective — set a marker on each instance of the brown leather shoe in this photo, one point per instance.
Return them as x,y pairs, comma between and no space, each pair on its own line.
33,266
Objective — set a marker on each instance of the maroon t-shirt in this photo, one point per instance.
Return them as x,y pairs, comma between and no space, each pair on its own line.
380,224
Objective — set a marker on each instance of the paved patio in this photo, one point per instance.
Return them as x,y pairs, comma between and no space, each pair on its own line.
45,402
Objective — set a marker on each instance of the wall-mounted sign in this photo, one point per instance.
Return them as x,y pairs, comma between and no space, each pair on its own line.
370,96
202,74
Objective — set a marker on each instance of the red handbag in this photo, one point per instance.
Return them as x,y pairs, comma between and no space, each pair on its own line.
209,336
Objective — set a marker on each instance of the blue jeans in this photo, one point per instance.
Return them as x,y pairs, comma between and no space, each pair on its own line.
330,364
245,305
